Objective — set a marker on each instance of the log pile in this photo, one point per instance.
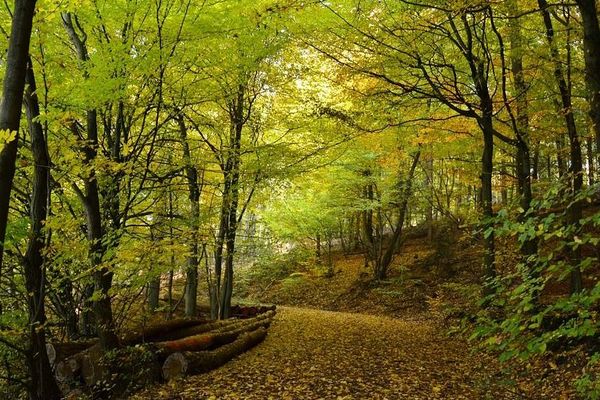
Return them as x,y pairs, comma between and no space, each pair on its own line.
239,311
180,364
178,347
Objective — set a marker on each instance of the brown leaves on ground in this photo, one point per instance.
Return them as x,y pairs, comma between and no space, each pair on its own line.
314,354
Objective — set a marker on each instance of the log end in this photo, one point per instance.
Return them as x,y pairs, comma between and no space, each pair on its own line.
51,351
175,366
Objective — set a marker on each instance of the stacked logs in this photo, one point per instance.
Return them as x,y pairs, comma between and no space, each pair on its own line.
180,347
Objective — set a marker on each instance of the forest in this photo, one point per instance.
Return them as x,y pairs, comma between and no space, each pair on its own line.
291,199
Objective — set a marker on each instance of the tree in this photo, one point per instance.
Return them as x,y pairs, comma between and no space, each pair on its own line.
12,100
43,384
575,169
591,44
90,198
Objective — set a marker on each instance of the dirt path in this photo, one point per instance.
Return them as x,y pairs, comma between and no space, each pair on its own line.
314,354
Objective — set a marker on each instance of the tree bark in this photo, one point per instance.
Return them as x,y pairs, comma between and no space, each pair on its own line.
487,167
194,192
591,46
213,339
523,156
43,384
590,159
12,101
231,198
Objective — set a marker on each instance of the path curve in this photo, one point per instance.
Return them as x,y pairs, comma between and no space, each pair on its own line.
315,354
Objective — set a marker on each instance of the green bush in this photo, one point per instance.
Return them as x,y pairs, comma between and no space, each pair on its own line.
521,321
279,266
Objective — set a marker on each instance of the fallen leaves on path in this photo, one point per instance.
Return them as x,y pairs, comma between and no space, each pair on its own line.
314,354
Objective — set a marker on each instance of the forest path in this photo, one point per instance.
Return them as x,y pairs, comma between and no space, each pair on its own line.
315,354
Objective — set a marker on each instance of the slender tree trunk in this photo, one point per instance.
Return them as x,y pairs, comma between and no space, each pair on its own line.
590,159
231,197
487,161
154,284
429,192
153,294
43,384
194,190
504,187
215,284
388,255
330,271
172,258
574,210
318,249
535,167
12,101
523,157
367,225
591,45
342,237
86,321
560,149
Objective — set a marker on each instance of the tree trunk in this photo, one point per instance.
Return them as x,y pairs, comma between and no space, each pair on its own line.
86,322
153,293
535,166
318,249
429,193
574,211
194,191
367,223
523,156
487,164
395,242
590,159
43,384
330,271
560,149
591,45
232,176
12,101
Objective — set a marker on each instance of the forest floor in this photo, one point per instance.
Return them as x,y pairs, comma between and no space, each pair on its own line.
316,354
347,337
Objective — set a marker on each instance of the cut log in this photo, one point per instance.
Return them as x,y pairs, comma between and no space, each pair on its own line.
174,366
156,331
196,330
92,369
187,363
211,340
67,371
59,351
86,367
212,326
78,367
240,311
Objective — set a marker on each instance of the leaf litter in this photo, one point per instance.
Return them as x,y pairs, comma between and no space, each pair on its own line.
316,354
